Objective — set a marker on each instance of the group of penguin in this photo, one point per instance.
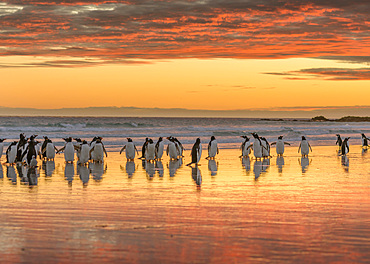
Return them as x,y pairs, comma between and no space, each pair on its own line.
344,145
26,150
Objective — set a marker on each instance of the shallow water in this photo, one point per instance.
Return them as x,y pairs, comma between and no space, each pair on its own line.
287,210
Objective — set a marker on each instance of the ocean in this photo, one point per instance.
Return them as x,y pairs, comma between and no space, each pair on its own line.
227,131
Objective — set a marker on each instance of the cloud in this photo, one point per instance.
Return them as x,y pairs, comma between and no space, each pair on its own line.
336,74
158,29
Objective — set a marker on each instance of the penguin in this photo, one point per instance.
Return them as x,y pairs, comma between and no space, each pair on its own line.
339,141
150,151
49,150
159,148
69,150
257,146
304,147
345,147
180,148
212,148
265,147
21,146
143,149
364,140
2,146
196,153
246,150
92,144
78,147
43,147
84,153
280,146
172,149
30,150
130,150
99,151
11,153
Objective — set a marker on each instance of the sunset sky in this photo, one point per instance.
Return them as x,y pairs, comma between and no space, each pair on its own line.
206,54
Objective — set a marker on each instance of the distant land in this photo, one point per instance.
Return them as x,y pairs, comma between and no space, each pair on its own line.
342,119
287,112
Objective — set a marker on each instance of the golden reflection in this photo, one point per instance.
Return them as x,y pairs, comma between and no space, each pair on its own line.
212,167
69,172
257,169
345,163
11,174
83,172
246,163
280,162
304,162
196,175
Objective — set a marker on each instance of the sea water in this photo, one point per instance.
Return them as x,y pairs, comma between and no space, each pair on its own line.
227,131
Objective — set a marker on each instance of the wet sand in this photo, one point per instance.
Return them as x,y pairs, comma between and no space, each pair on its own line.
289,210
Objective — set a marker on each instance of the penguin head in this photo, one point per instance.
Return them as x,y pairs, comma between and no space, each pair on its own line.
197,141
129,139
213,138
45,137
363,135
84,142
98,140
78,139
69,139
280,137
160,139
303,138
2,139
254,135
33,137
150,141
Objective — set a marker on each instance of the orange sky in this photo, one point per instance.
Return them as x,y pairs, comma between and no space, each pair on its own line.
188,54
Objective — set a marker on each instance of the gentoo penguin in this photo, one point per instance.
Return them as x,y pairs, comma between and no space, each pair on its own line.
2,146
92,144
30,151
159,147
280,146
21,146
265,147
78,147
43,147
172,149
339,141
246,150
84,153
11,153
304,147
150,151
99,151
130,150
257,146
212,148
49,150
345,147
364,140
69,150
180,148
196,152
143,149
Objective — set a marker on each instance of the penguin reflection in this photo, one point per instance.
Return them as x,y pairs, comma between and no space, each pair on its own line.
246,163
159,167
265,164
150,169
257,169
98,170
11,174
48,167
304,162
130,168
280,163
345,163
196,175
22,173
32,176
69,172
173,166
1,171
212,167
84,173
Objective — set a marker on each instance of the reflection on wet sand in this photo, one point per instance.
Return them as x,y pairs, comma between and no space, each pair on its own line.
150,169
130,168
304,162
159,168
196,175
11,174
246,163
345,163
49,167
84,172
257,169
280,162
98,169
173,166
1,171
212,167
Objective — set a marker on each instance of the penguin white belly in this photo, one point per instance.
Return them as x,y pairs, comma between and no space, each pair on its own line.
304,147
245,150
84,154
172,151
69,152
50,151
12,154
199,153
92,152
130,150
98,152
265,152
160,150
213,149
179,149
257,149
280,147
150,152
1,149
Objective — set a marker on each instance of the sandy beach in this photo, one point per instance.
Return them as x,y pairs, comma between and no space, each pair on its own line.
288,210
